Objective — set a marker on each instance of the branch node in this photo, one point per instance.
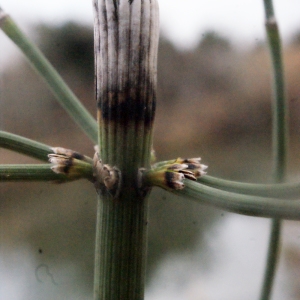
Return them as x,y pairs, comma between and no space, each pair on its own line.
107,178
271,23
70,163
171,174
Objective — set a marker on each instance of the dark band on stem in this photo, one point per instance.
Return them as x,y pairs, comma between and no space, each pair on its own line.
126,54
128,110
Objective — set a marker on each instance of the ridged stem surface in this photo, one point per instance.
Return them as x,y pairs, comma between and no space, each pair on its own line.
126,41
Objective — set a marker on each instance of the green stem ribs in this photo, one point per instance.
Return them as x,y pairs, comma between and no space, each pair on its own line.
126,42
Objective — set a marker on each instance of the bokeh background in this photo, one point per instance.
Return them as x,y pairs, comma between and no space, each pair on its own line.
214,101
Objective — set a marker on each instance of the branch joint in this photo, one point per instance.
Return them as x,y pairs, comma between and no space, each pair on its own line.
107,178
71,163
170,175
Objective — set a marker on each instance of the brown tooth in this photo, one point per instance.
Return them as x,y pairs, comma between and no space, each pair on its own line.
177,167
191,177
186,171
173,179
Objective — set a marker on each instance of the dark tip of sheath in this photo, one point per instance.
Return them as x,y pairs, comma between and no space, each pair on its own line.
68,165
169,178
78,156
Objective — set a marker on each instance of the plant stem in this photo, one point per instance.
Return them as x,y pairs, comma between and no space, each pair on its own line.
241,204
126,40
62,92
280,140
274,190
120,248
25,146
44,172
272,259
37,172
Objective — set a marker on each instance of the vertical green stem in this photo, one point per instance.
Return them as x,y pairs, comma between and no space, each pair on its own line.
272,259
280,140
126,40
120,248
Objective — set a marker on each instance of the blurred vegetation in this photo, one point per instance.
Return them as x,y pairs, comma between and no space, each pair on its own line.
213,102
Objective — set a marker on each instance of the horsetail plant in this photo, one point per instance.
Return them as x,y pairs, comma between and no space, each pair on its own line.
126,42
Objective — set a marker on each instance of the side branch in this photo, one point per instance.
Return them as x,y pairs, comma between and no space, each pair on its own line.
280,140
241,204
37,172
25,146
64,170
66,165
62,92
273,190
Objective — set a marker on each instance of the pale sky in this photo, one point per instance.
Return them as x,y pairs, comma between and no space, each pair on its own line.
183,21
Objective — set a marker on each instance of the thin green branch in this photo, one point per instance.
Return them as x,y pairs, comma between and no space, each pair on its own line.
280,105
34,172
280,140
45,172
25,146
272,259
241,204
274,190
269,10
64,161
61,91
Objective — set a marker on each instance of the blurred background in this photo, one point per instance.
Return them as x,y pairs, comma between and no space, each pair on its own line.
214,101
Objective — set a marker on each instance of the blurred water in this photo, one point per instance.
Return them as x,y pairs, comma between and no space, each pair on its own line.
23,278
13,281
238,248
